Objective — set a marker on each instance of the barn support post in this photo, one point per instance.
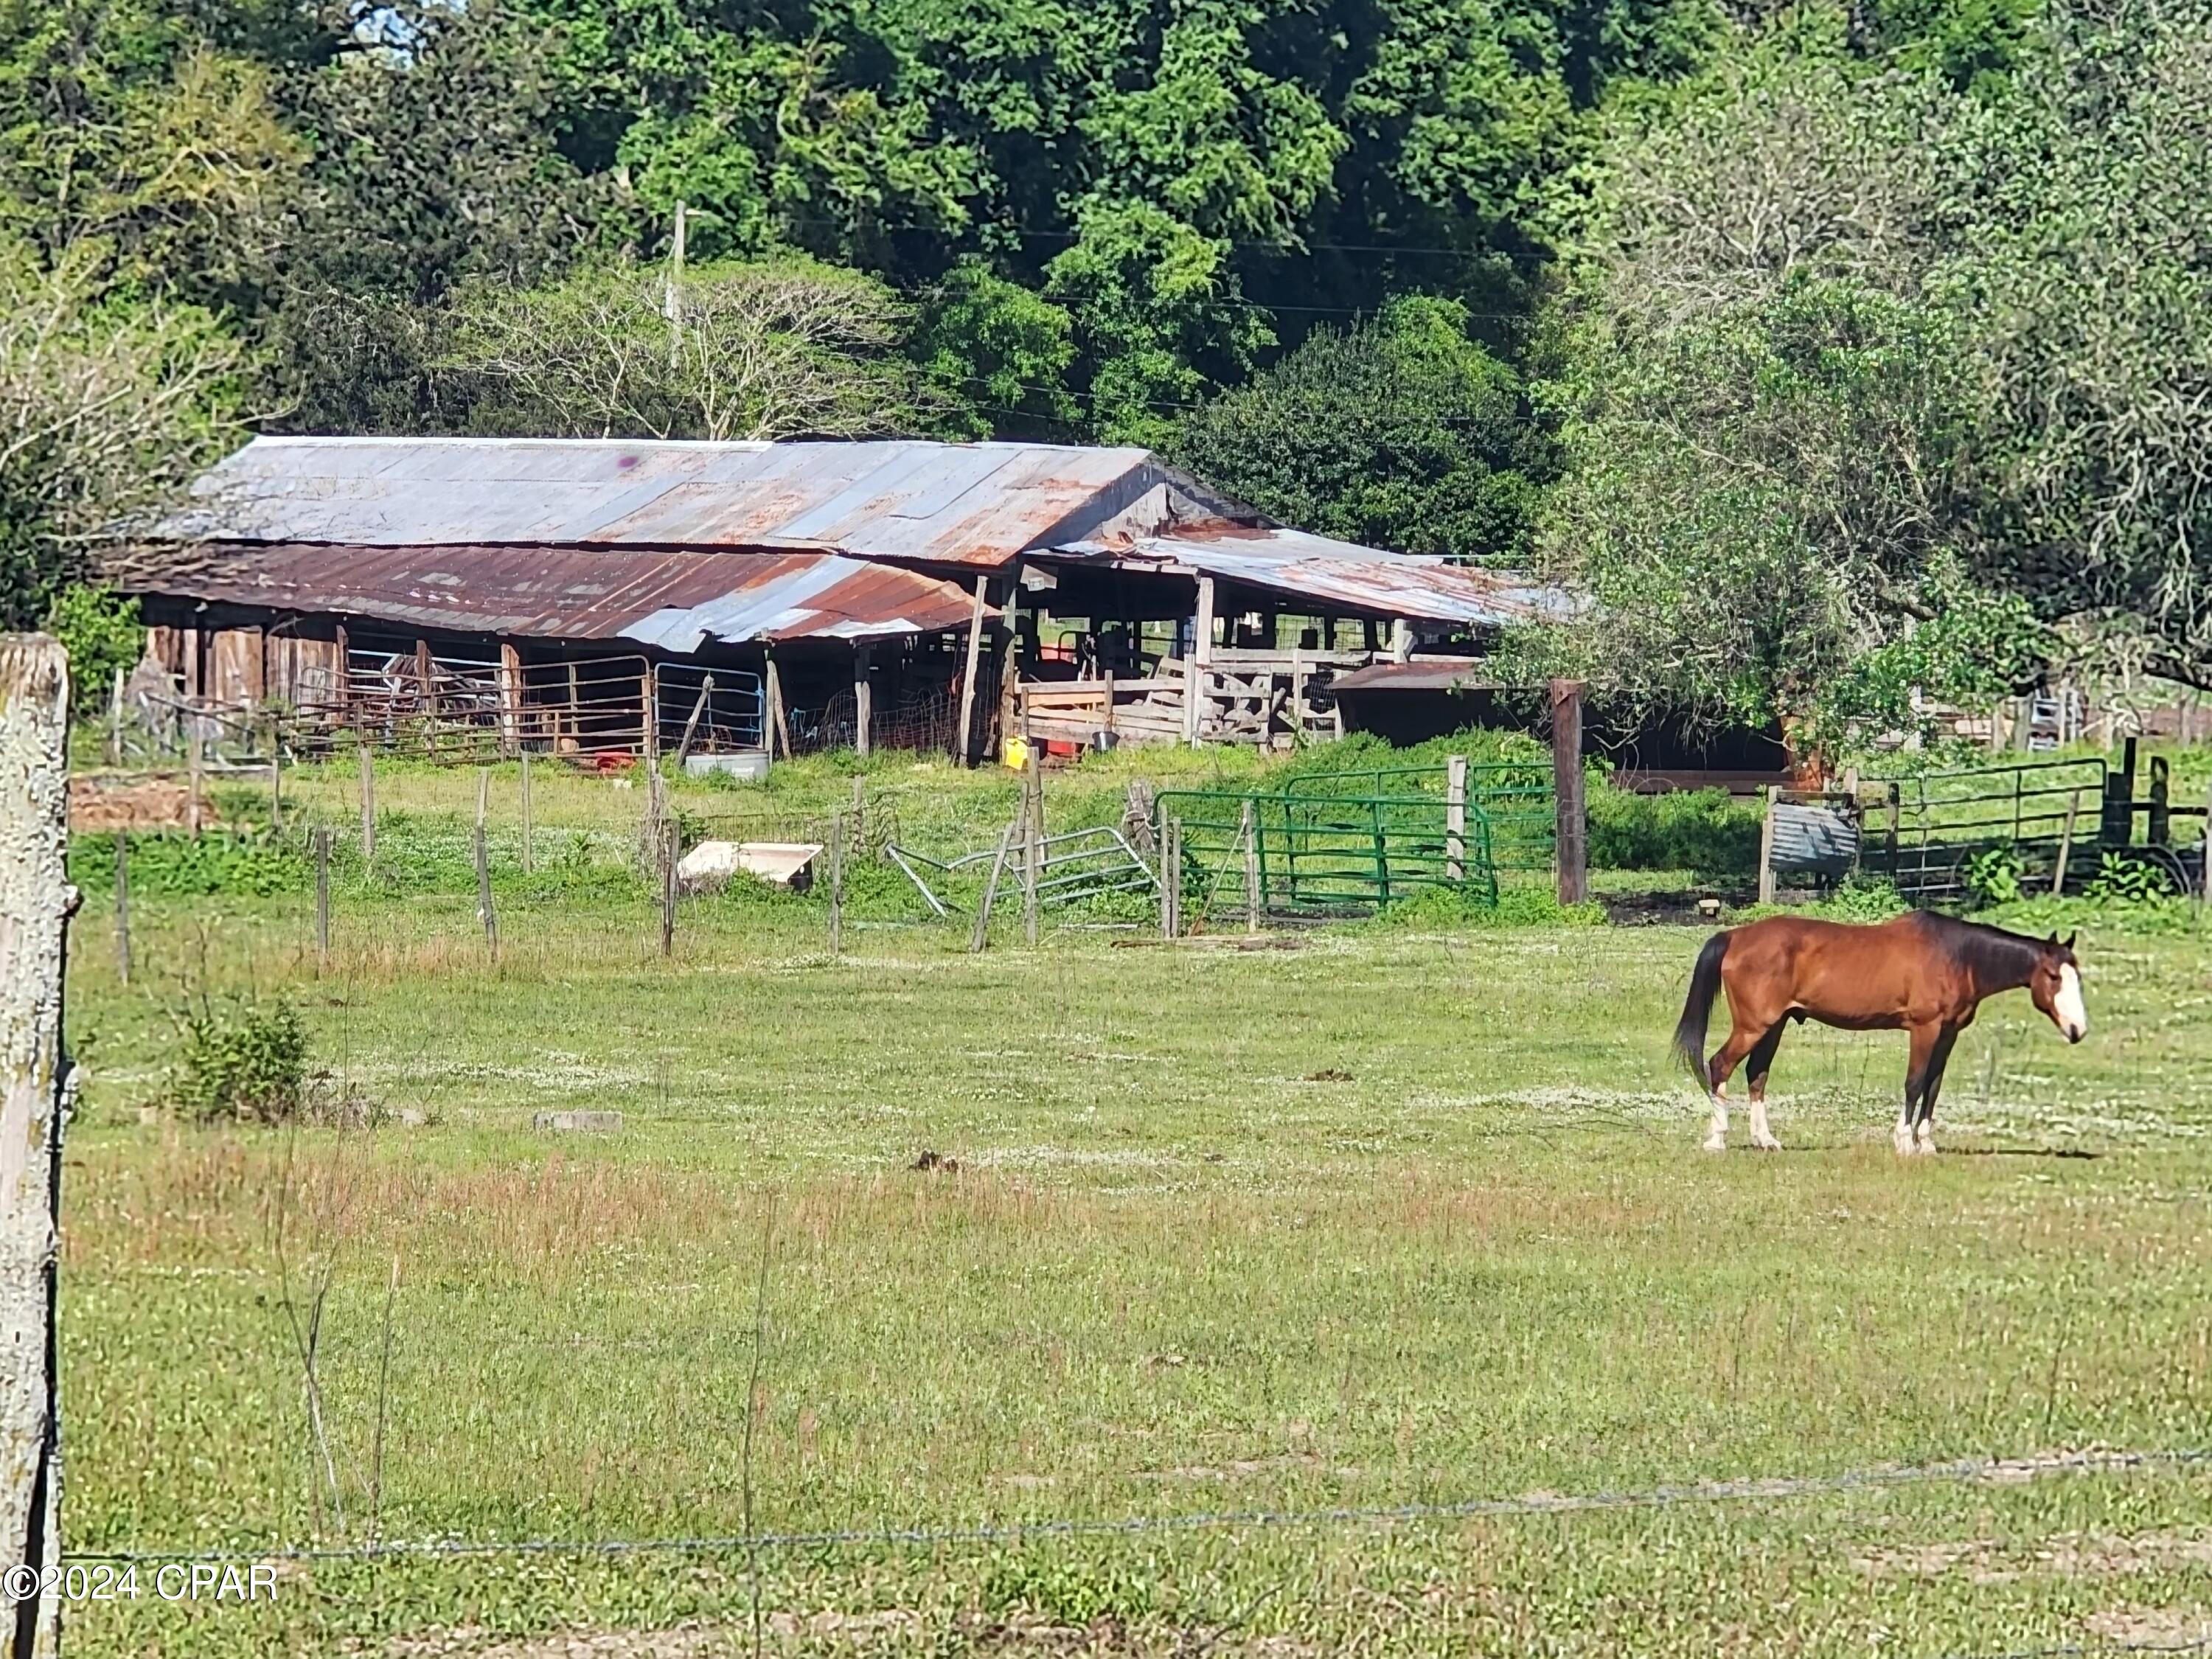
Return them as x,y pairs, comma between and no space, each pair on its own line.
779,728
967,755
1570,832
1401,639
36,1086
1198,673
342,690
863,703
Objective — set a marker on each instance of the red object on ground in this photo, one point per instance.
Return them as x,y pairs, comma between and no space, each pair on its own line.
613,760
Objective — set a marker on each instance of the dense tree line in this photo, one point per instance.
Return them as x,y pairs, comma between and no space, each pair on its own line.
1818,346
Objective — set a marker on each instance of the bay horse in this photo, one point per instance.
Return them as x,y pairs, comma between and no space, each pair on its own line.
1925,974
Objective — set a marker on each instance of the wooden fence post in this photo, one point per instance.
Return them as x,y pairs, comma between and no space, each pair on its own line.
485,913
123,906
2161,809
671,854
1032,836
1454,818
1172,879
1766,847
529,826
322,897
192,772
36,1086
836,884
115,720
1251,839
2065,846
982,933
368,805
648,696
1570,835
276,775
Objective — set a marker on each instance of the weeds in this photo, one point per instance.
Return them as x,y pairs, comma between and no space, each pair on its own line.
240,1062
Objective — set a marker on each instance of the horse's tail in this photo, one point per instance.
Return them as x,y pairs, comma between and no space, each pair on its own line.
1697,1007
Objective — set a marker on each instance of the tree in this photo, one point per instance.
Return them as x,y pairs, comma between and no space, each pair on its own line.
1401,432
107,413
773,349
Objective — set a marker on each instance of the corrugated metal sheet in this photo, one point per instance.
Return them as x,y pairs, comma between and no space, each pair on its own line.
1341,574
1813,840
979,504
673,600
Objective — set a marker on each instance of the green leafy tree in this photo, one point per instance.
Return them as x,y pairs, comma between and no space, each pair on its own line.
1401,432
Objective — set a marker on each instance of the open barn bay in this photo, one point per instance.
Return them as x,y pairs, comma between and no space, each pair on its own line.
1386,1218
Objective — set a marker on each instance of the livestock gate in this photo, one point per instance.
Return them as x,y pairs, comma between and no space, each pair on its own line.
2058,819
1337,842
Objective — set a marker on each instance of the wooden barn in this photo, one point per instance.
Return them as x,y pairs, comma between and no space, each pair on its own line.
574,596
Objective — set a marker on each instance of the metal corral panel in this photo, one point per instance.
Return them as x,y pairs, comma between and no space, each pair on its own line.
948,503
1813,840
1345,574
673,600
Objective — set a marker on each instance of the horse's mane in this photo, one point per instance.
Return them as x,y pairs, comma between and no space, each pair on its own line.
1978,947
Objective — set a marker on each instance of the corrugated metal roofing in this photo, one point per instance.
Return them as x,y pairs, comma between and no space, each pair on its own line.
979,504
672,600
1342,574
1414,676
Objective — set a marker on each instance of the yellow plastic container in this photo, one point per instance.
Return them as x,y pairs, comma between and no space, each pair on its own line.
1016,753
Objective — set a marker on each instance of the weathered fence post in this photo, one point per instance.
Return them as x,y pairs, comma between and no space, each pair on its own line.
1251,839
1454,818
2065,846
123,906
691,721
322,897
836,885
192,773
368,805
1570,835
485,913
115,720
529,826
2162,808
1032,836
671,854
35,1088
982,933
1172,879
1766,846
276,774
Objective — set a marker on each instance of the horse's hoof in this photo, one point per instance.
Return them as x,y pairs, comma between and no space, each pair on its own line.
1715,1144
1924,1149
1766,1143
1903,1143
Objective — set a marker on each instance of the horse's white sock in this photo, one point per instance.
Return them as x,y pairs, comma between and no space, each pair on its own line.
1716,1133
1761,1136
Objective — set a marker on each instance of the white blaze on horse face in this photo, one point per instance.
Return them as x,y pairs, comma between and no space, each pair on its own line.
2067,1008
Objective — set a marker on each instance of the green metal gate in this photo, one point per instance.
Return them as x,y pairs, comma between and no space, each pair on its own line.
1921,829
1324,852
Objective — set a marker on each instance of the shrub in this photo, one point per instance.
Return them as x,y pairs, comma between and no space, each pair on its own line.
242,1062
1993,876
2124,880
1702,830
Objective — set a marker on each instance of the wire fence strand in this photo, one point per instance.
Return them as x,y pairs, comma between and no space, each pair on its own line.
1746,1490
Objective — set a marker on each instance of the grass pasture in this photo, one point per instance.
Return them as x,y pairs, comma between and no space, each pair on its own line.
1391,1217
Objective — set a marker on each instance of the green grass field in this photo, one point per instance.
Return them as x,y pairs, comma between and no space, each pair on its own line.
1389,1217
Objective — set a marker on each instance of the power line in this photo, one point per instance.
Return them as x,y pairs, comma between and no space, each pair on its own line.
1750,1490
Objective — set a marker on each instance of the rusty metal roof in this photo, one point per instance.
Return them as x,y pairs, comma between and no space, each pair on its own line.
975,504
1464,675
671,600
1340,575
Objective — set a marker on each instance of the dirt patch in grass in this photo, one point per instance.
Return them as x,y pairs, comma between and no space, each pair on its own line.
2069,1555
2152,1628
99,804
